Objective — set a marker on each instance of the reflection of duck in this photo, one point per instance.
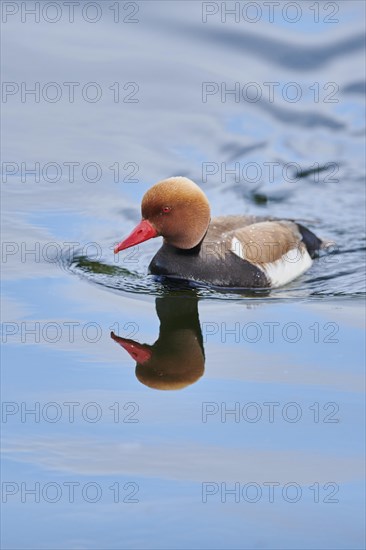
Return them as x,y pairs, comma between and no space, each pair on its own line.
230,251
177,357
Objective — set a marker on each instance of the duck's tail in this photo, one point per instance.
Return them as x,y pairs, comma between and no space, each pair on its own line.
327,243
312,242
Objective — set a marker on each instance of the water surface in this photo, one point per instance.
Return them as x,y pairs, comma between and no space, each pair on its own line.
271,383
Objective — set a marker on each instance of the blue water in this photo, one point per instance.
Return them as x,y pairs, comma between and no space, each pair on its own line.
263,444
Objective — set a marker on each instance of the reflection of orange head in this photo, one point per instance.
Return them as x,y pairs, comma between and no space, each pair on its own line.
173,367
169,365
177,359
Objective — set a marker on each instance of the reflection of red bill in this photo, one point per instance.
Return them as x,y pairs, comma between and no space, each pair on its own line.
142,232
139,352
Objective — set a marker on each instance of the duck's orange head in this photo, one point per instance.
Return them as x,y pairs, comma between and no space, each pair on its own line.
175,209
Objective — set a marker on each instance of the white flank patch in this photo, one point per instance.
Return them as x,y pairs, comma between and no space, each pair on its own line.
291,265
237,248
288,267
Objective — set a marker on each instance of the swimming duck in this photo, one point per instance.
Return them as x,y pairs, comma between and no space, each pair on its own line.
226,251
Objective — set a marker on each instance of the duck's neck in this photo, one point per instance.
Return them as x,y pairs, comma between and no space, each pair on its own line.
195,250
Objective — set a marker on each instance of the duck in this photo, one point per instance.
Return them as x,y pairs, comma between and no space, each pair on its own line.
233,251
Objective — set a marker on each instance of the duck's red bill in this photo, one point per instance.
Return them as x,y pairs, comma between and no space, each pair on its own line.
139,352
142,232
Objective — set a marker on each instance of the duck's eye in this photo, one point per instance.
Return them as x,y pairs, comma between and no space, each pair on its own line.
165,209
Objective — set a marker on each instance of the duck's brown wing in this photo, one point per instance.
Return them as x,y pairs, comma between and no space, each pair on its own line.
265,242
